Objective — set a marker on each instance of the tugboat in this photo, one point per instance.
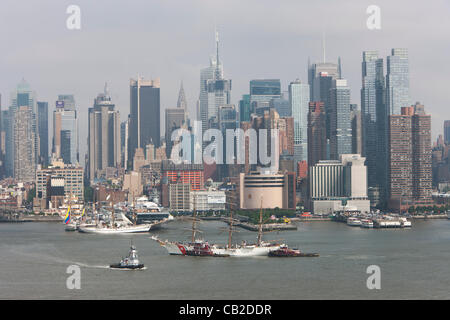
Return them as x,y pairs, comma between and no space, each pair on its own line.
284,251
130,262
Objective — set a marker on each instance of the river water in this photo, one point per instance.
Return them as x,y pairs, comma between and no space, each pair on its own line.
414,264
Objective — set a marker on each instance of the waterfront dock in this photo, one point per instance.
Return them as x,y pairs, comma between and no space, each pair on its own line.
265,227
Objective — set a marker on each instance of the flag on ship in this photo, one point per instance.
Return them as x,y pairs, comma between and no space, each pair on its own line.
67,218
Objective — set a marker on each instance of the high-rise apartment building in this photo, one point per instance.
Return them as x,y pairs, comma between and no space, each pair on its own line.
410,174
24,144
22,96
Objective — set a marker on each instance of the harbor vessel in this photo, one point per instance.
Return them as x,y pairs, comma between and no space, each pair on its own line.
366,223
114,227
130,262
197,247
260,248
284,251
353,222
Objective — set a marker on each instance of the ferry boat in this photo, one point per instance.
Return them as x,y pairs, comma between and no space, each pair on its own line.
284,251
366,223
353,221
130,262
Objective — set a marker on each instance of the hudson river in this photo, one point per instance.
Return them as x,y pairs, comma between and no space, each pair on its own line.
414,264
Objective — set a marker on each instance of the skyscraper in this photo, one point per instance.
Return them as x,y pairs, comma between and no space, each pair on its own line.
43,132
104,136
410,157
24,144
175,119
447,131
397,81
372,106
214,90
299,101
244,108
262,91
22,96
65,130
144,114
340,120
317,136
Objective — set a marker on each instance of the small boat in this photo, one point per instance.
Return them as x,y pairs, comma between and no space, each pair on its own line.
130,262
366,223
353,222
71,226
287,252
405,222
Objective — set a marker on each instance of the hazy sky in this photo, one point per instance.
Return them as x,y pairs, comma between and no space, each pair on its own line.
173,40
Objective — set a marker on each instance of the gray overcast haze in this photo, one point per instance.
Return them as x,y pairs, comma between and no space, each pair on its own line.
173,40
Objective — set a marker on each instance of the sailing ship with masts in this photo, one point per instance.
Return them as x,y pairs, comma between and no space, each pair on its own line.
260,248
114,225
197,246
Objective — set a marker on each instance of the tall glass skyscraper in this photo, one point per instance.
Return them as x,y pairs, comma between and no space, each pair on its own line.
340,124
299,104
215,91
262,91
397,81
144,114
372,109
43,132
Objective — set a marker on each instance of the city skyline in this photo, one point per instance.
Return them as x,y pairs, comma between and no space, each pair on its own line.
185,52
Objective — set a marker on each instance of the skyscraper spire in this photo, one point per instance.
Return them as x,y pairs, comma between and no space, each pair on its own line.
339,68
218,76
182,98
323,47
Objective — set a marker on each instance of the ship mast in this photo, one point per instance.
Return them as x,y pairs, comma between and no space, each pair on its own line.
260,225
193,223
230,232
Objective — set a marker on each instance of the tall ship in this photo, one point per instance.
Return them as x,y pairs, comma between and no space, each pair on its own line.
197,247
113,226
260,248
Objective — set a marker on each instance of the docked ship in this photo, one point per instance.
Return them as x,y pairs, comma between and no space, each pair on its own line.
353,222
114,227
366,223
145,211
130,262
